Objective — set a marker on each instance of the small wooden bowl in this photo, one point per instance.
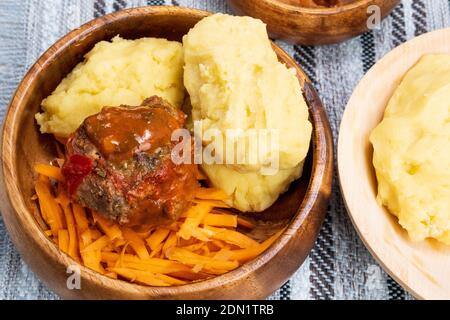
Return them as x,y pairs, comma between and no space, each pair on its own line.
422,268
311,26
23,146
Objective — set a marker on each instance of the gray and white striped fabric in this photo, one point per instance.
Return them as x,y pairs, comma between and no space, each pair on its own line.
339,266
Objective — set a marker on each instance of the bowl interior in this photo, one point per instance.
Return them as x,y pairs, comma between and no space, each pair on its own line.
35,147
417,266
31,147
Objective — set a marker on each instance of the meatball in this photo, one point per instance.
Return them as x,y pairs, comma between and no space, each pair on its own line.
119,164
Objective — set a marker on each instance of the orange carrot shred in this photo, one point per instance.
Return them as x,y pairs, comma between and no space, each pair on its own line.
63,240
110,228
211,194
220,220
194,217
49,171
136,242
157,237
73,238
245,223
232,237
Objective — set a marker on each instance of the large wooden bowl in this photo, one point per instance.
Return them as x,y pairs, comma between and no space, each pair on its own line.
23,145
422,268
287,20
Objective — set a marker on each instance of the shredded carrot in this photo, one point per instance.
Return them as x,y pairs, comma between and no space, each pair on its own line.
119,242
245,223
73,238
187,257
220,220
144,277
156,252
243,255
149,266
204,242
211,194
97,245
85,239
113,257
49,171
219,244
202,234
136,243
52,213
157,237
170,280
80,217
95,234
194,217
212,203
194,247
110,228
63,240
190,275
91,259
233,237
170,242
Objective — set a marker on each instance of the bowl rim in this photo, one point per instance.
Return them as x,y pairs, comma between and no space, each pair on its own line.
319,174
375,251
318,11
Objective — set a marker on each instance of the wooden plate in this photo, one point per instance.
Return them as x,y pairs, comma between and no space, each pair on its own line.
289,21
421,268
22,146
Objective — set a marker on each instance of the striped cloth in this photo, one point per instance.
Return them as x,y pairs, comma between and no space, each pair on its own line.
339,266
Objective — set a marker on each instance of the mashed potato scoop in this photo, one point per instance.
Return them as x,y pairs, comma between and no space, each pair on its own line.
236,82
114,73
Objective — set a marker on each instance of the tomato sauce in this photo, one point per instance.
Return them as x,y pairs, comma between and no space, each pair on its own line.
75,169
119,133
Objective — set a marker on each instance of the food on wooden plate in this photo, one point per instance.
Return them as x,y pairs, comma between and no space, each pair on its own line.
203,243
116,201
119,164
412,151
235,81
114,73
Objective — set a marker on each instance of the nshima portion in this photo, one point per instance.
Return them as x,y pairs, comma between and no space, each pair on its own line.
119,164
412,151
235,81
114,73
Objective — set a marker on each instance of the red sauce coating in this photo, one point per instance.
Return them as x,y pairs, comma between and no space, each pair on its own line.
119,164
119,133
75,169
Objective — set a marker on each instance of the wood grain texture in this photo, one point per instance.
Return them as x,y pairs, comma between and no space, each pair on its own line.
422,268
311,26
23,145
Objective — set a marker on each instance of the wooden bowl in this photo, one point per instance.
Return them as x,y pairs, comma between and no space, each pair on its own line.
287,20
422,268
23,145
